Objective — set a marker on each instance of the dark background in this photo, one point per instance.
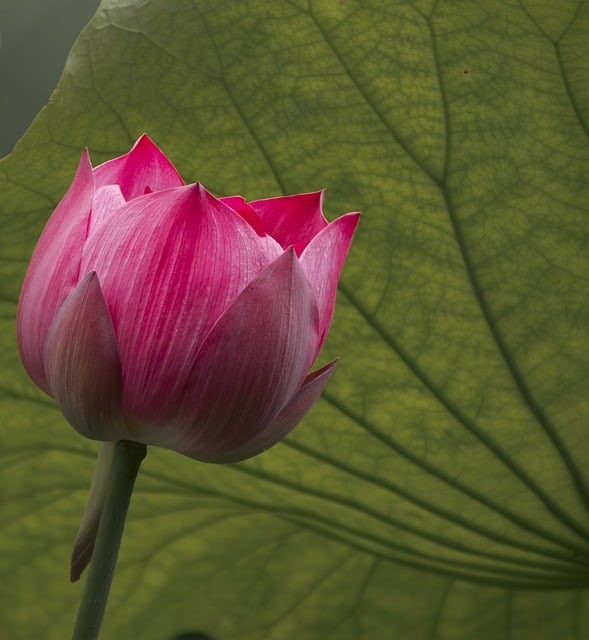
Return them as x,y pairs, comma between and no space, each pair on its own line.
35,38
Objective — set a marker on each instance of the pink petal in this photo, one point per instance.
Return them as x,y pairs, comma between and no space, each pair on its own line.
323,260
289,417
292,220
53,270
238,204
82,364
107,201
169,268
251,364
142,170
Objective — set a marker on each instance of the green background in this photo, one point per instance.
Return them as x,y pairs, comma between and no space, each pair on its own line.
439,489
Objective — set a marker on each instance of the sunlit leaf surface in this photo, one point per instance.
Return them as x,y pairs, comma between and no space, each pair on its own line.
440,487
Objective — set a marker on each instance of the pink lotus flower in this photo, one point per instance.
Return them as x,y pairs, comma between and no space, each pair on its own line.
153,311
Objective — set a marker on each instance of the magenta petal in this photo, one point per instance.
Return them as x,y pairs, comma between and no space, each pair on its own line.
53,270
82,364
323,260
251,364
142,170
169,268
238,204
289,417
292,220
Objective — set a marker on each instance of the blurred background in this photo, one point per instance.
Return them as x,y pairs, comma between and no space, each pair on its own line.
35,38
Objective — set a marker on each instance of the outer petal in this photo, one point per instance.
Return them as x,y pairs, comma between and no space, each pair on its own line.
288,418
323,260
142,170
82,364
292,220
53,270
169,268
251,364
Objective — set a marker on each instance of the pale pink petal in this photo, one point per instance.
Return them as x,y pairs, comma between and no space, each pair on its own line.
142,170
169,268
82,364
53,270
292,220
288,418
323,260
107,201
251,364
238,204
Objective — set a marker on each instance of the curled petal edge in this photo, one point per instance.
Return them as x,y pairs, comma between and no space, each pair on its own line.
288,418
323,260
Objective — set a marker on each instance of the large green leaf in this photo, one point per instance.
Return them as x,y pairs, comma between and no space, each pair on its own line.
439,489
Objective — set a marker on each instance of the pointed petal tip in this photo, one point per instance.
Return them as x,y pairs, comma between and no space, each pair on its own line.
84,171
289,261
85,157
197,190
349,221
196,194
144,166
82,552
86,536
325,370
323,259
144,141
89,284
145,147
351,218
82,364
199,195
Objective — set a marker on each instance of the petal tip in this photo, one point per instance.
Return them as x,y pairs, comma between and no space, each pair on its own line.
197,193
144,142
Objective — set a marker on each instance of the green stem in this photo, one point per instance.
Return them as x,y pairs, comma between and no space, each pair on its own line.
125,465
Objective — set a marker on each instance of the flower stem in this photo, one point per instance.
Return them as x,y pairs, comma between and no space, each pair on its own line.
125,465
